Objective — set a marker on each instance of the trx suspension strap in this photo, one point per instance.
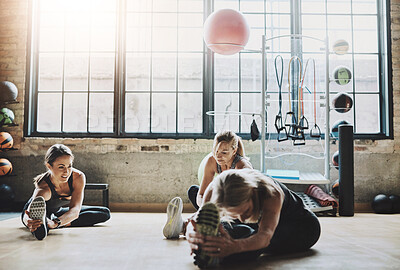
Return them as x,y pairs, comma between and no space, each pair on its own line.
280,127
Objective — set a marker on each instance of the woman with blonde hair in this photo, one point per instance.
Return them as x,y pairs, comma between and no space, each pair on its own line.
285,224
228,153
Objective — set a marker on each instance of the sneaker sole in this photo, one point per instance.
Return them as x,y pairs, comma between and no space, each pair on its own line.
173,227
207,223
37,210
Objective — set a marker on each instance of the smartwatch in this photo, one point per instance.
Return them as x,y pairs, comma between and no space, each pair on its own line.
58,221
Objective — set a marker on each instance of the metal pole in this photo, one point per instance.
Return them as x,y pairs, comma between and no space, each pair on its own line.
327,111
263,104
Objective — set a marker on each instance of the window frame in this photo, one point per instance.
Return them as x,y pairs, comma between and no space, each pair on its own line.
31,93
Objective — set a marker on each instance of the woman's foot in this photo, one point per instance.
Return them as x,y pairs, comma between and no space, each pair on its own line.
37,211
173,227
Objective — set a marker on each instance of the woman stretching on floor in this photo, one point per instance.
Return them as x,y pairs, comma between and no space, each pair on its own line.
228,153
284,223
57,199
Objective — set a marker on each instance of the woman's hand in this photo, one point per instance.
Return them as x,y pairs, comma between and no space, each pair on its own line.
220,246
217,246
32,224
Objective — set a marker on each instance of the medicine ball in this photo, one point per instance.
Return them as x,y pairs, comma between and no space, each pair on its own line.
8,91
5,167
342,102
335,188
341,46
6,117
335,160
6,141
335,128
6,193
395,203
342,75
382,204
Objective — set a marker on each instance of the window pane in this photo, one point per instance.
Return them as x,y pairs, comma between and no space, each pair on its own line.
103,32
366,73
221,4
101,116
190,113
190,67
138,71
190,6
336,116
226,72
76,71
313,6
365,34
102,71
163,113
137,116
367,114
339,28
364,6
164,39
164,70
139,5
338,61
252,6
226,103
50,72
138,25
165,5
256,23
250,103
49,117
190,39
75,113
251,71
339,6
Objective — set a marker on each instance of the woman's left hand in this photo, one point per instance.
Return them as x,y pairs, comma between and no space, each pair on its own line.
220,246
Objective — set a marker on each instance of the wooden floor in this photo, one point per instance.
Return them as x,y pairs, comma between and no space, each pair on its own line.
135,241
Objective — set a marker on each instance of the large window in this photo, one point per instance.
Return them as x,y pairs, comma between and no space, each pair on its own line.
139,68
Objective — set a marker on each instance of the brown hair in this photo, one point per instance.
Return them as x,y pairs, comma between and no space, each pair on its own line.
229,137
234,187
54,152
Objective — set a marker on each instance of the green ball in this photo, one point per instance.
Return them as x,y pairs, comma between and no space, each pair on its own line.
6,117
342,75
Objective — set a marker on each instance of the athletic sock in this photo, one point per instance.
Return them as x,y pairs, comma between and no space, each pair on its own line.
207,223
37,210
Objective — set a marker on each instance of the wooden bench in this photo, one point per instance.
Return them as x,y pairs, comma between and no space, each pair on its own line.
103,187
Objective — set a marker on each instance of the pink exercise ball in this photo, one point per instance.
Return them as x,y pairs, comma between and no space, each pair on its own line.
226,31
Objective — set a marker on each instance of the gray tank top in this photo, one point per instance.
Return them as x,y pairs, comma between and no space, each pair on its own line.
235,160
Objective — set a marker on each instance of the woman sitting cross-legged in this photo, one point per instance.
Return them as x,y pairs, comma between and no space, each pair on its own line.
57,199
284,223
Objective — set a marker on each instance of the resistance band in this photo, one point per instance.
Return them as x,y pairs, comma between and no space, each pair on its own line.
280,127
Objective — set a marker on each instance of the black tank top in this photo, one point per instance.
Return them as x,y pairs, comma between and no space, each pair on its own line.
56,201
293,205
235,160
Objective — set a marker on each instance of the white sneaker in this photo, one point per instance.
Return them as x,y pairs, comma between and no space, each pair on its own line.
37,210
174,225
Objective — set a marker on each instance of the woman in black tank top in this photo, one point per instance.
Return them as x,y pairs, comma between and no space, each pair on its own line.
58,197
283,223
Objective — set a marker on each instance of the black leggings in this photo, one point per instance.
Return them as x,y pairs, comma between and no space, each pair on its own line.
294,235
88,216
192,194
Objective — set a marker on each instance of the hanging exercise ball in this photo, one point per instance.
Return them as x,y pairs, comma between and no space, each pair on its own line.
8,91
382,204
335,159
335,128
342,75
335,188
5,167
6,117
342,102
6,141
226,31
340,46
6,194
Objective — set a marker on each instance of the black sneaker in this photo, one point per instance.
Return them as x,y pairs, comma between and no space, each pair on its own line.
207,223
37,210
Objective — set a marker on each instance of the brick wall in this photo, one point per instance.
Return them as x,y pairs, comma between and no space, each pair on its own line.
152,171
